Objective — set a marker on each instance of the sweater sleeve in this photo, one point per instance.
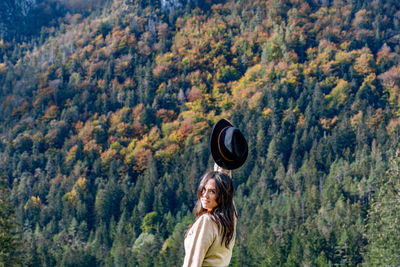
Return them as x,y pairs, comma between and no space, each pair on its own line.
200,238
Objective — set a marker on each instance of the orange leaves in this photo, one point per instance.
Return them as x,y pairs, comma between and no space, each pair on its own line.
138,151
137,129
194,94
168,152
141,160
3,68
377,118
21,110
327,124
184,131
137,112
356,119
166,115
44,96
51,113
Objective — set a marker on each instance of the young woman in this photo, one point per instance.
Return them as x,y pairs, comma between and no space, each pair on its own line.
210,240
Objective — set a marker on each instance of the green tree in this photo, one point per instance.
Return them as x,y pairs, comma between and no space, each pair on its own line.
10,242
383,228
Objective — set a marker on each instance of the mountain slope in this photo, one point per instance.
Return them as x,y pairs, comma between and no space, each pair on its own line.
105,129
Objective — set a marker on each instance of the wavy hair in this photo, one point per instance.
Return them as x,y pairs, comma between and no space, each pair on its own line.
225,213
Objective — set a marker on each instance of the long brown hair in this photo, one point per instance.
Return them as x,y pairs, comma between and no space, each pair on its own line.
225,212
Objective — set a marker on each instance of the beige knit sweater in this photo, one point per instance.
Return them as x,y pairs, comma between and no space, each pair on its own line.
203,245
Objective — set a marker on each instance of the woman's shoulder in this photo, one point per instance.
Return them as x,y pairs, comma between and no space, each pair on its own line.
206,220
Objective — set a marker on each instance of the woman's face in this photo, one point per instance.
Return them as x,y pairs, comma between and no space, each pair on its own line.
209,196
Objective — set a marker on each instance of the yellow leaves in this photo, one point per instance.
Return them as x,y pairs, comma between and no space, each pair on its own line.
152,137
71,198
165,58
369,82
32,203
293,73
79,188
200,105
161,88
167,128
267,113
224,101
339,94
86,132
81,184
71,155
98,37
365,63
164,64
118,116
249,83
343,57
138,151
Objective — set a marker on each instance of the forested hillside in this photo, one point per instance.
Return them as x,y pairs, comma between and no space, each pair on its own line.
106,114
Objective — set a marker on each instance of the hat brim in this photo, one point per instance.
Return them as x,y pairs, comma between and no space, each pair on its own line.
215,132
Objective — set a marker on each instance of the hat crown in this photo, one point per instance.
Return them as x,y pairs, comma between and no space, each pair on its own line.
234,142
228,145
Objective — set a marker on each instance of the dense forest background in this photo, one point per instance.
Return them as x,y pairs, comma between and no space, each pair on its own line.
106,108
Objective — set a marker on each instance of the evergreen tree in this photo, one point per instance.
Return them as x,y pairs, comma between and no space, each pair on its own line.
383,228
10,241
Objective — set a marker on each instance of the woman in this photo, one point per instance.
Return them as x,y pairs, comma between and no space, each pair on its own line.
210,240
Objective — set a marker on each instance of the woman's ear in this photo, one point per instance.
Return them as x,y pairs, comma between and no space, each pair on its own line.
220,169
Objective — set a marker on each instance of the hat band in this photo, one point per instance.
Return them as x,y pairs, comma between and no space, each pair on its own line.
219,146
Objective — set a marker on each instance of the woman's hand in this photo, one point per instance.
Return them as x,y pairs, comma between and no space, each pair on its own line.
220,169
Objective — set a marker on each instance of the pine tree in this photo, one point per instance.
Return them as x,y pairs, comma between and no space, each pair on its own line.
383,228
10,243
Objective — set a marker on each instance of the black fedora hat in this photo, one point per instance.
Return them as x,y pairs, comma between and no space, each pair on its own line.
228,145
